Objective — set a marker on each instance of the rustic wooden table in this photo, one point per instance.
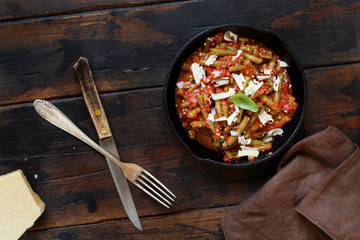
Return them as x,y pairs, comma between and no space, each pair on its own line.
130,45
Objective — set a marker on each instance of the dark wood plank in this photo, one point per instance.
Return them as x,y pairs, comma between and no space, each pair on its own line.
334,99
78,189
133,47
20,9
201,224
83,195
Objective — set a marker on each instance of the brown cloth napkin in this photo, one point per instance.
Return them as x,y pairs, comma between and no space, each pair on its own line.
314,195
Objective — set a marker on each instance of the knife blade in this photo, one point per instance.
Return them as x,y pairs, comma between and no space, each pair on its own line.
106,139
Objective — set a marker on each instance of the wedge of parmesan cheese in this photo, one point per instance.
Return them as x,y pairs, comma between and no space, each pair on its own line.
20,206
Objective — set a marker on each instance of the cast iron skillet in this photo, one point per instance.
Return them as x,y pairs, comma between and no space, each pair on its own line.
299,87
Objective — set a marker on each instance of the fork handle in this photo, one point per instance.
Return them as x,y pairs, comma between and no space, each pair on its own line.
54,116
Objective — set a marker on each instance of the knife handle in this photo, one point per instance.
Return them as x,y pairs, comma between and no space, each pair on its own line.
92,98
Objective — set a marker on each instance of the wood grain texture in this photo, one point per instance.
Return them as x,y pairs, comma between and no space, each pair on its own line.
66,168
75,182
334,99
201,224
130,45
81,196
136,117
20,9
133,48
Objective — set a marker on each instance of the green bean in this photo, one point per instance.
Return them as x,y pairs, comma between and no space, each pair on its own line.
236,68
257,142
223,52
231,140
228,154
225,110
193,113
218,108
272,62
264,147
253,58
185,67
185,104
197,124
243,124
269,102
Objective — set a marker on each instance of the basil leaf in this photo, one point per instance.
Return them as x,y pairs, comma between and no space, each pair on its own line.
244,102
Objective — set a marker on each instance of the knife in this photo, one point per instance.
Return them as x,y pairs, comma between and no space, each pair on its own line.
106,139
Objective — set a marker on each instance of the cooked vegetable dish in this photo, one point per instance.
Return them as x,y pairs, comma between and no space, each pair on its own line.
234,95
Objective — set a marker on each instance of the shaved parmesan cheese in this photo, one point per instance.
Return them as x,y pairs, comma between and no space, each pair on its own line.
269,136
263,77
237,55
198,72
220,119
268,139
216,73
180,84
252,87
230,36
212,114
264,117
267,71
210,60
282,63
247,151
221,82
223,95
240,80
241,140
234,133
274,132
233,116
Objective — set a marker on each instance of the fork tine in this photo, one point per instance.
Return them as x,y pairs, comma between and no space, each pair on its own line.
151,189
153,184
148,193
158,182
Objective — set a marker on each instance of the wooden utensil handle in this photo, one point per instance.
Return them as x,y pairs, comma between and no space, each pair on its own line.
92,98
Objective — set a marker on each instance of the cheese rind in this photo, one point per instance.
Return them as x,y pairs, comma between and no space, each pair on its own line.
20,206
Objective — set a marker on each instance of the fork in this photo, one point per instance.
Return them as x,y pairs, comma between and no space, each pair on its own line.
133,172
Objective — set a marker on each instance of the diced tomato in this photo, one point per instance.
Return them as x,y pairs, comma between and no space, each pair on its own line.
248,71
218,37
234,44
192,97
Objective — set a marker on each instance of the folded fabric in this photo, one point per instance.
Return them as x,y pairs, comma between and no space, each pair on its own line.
315,195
